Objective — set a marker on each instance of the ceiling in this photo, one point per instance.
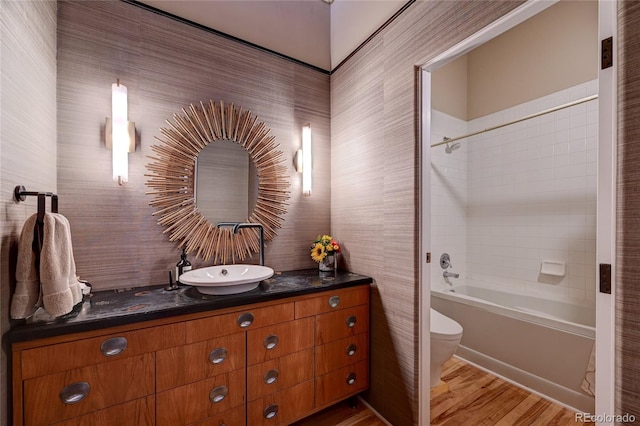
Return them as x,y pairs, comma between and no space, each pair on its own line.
311,31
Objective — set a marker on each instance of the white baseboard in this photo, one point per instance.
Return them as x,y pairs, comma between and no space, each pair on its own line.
552,391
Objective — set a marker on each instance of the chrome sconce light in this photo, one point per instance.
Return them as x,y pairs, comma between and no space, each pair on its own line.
303,160
120,134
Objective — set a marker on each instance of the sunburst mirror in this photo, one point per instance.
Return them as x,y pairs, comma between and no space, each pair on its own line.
172,180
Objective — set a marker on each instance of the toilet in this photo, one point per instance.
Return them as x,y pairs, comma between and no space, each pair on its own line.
445,337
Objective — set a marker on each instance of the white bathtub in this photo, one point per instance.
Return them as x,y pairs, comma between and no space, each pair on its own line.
539,343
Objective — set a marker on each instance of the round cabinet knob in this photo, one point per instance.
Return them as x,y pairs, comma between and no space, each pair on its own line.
271,342
334,301
271,411
218,393
75,392
113,346
270,377
351,349
351,378
245,320
351,321
217,355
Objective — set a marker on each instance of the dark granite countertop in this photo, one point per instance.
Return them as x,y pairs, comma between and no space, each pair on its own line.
112,308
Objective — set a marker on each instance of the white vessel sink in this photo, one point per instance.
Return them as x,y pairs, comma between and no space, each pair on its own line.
226,279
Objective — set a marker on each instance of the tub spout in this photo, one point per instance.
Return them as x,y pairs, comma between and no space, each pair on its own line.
448,274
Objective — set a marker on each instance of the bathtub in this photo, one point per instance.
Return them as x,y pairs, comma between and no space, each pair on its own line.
537,343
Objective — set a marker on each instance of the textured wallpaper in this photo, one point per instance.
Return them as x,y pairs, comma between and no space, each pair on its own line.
366,154
628,214
27,133
167,65
374,172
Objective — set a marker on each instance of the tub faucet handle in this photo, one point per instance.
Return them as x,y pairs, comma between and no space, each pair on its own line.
445,261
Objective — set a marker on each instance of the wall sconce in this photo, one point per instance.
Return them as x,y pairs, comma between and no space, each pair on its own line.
303,160
120,134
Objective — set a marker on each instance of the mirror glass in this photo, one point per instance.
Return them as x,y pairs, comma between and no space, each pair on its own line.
226,182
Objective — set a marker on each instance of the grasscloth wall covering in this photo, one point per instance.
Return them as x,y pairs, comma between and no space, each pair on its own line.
167,65
628,216
374,171
27,133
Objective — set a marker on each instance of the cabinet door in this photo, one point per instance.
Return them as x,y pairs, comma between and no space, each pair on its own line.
283,407
185,364
341,324
341,353
222,325
81,353
200,400
274,341
332,300
141,412
278,374
72,393
342,383
234,417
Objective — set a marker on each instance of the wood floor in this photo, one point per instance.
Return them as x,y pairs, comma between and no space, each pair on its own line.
471,397
478,398
343,415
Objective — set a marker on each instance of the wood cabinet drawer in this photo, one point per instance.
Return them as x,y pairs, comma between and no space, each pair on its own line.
81,353
278,340
342,383
104,385
221,325
189,363
141,412
200,400
234,417
341,353
332,301
278,374
341,324
283,407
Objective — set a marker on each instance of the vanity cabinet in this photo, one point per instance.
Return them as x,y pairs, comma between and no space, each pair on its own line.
280,372
268,363
341,343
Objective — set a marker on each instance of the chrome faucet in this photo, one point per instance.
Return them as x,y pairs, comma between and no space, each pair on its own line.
448,274
445,263
239,226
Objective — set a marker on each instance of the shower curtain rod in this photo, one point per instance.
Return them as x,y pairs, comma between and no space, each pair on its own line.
537,114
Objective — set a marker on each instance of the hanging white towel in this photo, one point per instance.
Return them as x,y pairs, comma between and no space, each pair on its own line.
54,285
60,287
26,298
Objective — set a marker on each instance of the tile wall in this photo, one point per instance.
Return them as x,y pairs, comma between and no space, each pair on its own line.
448,198
531,196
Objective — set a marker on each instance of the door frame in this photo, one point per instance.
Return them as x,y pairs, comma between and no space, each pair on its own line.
605,240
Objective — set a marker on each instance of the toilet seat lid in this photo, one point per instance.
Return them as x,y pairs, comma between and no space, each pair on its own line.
444,327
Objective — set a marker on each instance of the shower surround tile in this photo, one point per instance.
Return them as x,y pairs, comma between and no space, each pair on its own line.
529,195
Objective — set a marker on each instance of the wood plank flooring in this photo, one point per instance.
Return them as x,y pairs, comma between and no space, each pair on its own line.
477,398
470,397
342,414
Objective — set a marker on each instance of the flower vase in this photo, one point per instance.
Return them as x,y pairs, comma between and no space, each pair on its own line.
328,264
